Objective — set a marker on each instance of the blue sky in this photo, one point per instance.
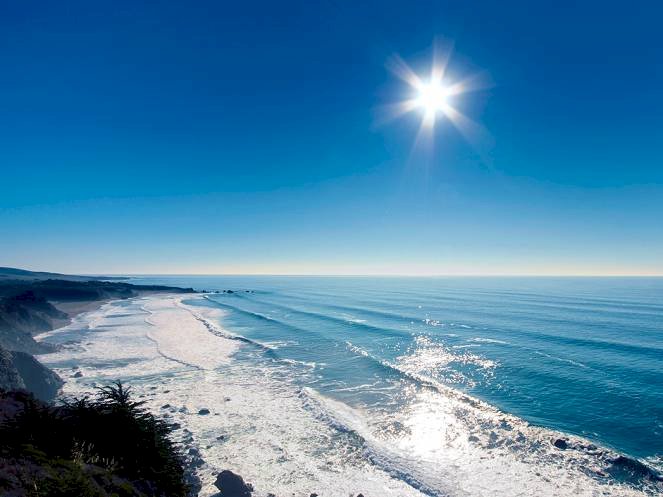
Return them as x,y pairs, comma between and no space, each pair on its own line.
245,137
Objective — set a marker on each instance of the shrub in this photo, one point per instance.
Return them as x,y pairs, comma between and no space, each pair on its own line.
106,445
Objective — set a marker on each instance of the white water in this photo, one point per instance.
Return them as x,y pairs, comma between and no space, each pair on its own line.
288,440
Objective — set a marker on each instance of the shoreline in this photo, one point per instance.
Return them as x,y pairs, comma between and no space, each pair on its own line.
203,401
73,308
215,408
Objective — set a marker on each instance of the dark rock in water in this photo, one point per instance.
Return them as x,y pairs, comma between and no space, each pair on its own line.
625,467
589,449
194,452
560,443
313,495
360,495
78,374
176,426
203,412
165,406
232,485
226,399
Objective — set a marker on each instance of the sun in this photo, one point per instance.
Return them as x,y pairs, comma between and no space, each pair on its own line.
436,95
433,97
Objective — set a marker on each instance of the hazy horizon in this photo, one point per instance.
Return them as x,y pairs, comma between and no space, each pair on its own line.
95,272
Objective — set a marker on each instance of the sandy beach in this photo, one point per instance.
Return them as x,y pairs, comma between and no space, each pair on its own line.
251,419
226,417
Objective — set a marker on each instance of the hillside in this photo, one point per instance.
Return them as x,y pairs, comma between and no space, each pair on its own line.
35,302
10,273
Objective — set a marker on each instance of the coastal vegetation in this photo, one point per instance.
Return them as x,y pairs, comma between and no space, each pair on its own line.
108,445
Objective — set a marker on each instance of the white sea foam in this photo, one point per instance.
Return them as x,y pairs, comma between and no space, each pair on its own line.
286,440
561,359
268,434
488,340
183,337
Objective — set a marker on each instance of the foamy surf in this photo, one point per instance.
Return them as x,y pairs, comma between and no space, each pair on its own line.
291,440
183,336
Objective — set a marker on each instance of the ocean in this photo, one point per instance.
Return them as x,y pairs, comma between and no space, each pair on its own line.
449,386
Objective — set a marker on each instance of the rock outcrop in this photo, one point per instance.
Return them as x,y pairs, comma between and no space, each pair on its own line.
37,378
232,485
22,316
21,371
26,310
10,378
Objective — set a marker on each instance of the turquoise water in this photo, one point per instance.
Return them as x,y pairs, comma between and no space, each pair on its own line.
582,356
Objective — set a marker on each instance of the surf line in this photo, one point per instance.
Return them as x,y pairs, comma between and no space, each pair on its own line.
156,344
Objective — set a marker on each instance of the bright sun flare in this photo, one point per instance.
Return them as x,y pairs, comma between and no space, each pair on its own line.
432,97
435,95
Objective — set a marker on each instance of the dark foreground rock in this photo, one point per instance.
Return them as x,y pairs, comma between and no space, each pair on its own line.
625,467
561,444
232,485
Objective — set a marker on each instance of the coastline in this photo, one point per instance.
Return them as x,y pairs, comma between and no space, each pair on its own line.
230,416
74,308
215,409
31,305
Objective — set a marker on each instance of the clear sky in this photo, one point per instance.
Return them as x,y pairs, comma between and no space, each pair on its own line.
246,137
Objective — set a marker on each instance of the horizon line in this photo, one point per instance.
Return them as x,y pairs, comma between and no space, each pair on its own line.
400,275
358,275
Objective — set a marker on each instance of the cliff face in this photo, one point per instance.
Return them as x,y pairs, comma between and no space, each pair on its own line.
26,314
10,378
21,371
37,378
21,316
26,310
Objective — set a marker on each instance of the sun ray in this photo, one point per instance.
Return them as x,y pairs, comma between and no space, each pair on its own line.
476,82
390,112
435,96
441,58
400,68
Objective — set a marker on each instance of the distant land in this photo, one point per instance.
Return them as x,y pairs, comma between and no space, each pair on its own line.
34,302
10,273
